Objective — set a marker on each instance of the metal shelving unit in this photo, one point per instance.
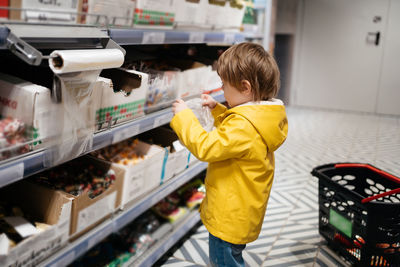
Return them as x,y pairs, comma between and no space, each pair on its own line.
79,247
28,164
26,42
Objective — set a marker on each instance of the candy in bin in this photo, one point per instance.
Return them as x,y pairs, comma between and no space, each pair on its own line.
12,138
193,193
77,178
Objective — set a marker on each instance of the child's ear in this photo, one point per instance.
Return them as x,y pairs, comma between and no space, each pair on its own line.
246,87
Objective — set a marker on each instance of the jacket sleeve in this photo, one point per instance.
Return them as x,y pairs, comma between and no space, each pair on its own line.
218,110
230,140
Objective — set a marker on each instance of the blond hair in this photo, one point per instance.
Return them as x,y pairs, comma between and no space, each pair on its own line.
250,61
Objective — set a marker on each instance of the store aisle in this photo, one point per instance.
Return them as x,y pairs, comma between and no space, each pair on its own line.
289,235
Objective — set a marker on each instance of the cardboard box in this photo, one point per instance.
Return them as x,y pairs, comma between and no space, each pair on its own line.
123,97
234,15
154,14
215,16
48,206
37,11
176,157
191,13
32,104
118,12
144,176
193,78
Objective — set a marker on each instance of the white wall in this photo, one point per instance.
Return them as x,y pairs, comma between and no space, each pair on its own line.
389,90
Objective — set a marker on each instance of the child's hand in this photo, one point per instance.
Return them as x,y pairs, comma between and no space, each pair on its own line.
208,101
178,105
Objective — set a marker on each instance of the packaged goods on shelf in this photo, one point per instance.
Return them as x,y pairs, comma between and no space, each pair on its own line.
123,96
193,193
3,12
45,228
215,15
140,165
94,188
169,208
118,12
162,83
249,14
176,156
15,138
191,13
45,120
235,10
154,14
49,11
125,245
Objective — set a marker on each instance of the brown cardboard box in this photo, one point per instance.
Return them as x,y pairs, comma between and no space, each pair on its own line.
46,206
87,212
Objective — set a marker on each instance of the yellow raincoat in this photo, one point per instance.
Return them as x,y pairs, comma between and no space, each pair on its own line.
240,153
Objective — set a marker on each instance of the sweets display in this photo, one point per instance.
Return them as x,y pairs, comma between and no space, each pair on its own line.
169,208
193,193
77,177
12,138
128,243
124,153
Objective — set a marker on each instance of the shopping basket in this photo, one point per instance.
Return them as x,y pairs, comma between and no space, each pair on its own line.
359,213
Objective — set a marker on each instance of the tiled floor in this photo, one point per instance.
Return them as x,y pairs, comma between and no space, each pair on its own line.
289,235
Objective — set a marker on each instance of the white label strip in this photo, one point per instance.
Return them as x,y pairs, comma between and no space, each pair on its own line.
153,37
229,38
162,120
196,37
11,174
64,261
125,133
99,236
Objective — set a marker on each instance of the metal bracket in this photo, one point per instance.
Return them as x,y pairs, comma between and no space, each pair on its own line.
23,50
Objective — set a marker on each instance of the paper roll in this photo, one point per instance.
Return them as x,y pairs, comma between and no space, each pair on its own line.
65,61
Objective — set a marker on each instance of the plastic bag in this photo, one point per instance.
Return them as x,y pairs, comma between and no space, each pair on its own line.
203,114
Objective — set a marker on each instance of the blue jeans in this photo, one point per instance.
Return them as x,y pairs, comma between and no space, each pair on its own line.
225,254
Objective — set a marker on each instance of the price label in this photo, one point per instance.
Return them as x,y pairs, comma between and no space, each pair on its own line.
196,37
125,133
153,38
11,174
162,120
229,38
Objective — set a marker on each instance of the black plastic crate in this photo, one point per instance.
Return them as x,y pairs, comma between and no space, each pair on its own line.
359,213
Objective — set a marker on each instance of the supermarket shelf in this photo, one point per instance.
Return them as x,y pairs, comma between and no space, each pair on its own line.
79,247
28,164
61,36
139,36
162,245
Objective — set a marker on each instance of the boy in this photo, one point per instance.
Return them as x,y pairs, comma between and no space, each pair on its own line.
240,151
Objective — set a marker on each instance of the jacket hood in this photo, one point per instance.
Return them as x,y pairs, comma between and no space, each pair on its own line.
268,118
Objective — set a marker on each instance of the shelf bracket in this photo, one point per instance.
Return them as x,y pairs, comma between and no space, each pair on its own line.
23,50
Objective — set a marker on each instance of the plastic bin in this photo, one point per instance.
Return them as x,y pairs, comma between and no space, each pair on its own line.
359,213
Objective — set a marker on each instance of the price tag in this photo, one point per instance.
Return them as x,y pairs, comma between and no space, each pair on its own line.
229,38
196,37
11,174
162,120
125,133
153,37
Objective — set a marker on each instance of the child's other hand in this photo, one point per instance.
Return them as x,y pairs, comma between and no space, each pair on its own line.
178,106
208,101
